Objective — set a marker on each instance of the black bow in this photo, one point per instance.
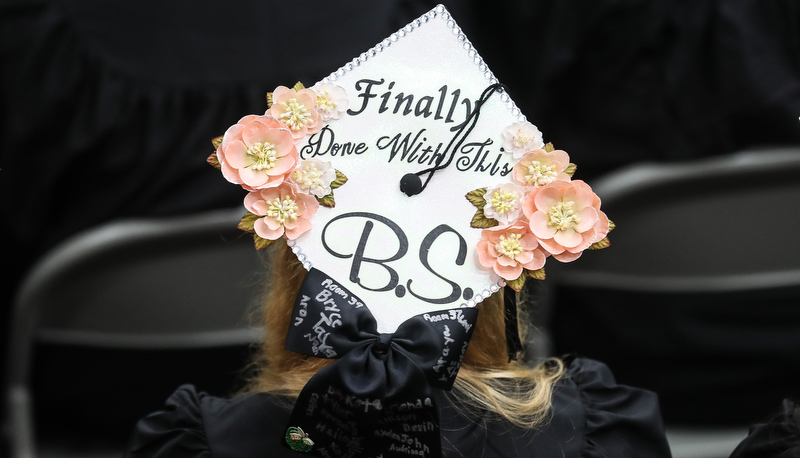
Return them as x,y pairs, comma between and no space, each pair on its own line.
377,397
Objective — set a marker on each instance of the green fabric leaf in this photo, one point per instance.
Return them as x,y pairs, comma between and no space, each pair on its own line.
480,221
327,201
340,180
605,243
213,160
570,170
517,283
248,222
476,197
537,274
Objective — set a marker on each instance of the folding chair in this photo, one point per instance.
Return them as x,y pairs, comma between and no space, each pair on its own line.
159,283
704,252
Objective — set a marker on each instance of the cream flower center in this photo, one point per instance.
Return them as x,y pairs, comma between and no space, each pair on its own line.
282,210
563,217
520,139
263,154
325,103
503,201
308,177
294,114
509,245
540,174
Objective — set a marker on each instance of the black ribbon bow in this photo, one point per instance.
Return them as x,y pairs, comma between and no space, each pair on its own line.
377,398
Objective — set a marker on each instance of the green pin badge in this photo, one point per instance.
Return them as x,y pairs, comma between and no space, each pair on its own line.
298,440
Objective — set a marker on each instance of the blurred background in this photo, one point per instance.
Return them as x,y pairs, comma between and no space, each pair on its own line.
108,110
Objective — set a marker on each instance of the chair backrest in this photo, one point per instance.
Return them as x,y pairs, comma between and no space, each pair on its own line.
156,283
723,224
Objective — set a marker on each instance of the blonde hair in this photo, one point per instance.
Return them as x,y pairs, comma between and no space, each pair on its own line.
485,382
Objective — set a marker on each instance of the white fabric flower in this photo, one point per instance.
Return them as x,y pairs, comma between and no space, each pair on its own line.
332,101
314,177
504,203
521,138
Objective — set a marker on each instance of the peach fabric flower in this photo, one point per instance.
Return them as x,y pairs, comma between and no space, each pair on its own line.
504,203
539,168
257,152
509,249
332,101
296,109
314,177
565,216
521,138
283,211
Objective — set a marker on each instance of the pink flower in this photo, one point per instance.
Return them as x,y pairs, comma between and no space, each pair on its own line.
314,177
296,109
509,249
331,101
257,152
283,211
539,167
504,203
520,138
565,216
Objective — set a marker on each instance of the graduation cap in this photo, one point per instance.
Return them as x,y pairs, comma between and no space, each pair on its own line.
412,188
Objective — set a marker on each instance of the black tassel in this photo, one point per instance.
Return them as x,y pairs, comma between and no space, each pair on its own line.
513,342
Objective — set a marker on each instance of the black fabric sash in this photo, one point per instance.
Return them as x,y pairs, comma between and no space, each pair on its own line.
377,398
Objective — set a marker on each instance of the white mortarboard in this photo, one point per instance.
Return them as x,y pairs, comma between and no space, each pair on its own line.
406,255
412,188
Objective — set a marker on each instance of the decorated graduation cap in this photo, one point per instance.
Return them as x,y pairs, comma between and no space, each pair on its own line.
412,188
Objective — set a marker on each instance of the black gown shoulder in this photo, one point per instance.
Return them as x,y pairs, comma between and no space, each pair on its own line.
592,417
778,437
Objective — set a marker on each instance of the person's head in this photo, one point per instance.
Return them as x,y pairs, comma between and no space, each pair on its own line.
486,380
